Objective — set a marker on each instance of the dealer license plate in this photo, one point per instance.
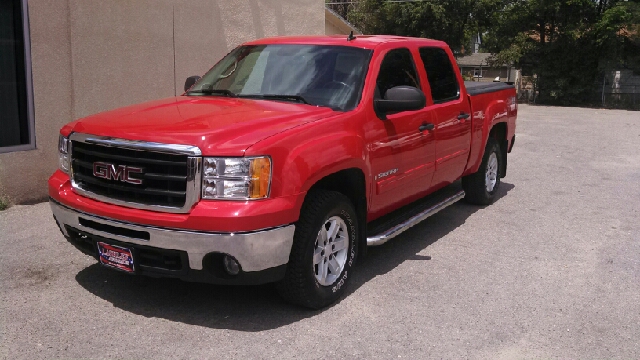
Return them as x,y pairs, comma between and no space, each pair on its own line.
116,257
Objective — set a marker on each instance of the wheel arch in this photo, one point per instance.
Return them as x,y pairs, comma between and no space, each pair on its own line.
499,132
351,183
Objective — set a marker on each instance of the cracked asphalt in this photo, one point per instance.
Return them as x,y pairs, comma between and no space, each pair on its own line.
550,270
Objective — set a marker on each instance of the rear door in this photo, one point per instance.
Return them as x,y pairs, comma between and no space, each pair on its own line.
450,112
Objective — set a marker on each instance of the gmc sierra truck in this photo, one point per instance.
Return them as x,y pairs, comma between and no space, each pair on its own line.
283,163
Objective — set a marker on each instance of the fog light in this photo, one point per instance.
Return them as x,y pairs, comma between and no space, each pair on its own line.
231,266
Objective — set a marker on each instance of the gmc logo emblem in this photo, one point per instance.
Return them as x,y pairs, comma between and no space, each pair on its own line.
113,172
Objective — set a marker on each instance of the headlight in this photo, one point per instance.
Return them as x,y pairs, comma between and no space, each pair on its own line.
63,153
236,178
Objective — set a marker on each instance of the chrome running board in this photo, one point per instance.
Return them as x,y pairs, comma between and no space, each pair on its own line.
384,236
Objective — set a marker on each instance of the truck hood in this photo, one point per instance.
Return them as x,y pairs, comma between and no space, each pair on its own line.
217,125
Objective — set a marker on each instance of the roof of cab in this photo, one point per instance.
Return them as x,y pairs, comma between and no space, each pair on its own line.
360,41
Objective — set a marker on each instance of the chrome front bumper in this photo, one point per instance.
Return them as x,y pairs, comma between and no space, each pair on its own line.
255,251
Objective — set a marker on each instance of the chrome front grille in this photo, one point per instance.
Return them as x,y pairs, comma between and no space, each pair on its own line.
152,176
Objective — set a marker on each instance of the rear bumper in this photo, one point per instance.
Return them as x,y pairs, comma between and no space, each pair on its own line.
265,251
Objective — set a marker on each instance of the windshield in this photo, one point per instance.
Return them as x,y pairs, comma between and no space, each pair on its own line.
331,76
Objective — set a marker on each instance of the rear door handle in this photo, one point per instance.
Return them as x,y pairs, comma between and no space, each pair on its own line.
463,116
426,126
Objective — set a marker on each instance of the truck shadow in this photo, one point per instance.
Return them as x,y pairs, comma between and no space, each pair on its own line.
258,308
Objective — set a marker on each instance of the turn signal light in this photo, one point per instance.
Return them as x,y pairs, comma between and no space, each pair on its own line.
260,178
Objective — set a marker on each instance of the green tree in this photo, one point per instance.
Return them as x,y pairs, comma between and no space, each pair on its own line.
565,43
452,21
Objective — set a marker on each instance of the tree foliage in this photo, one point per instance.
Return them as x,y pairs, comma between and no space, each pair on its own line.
452,21
565,43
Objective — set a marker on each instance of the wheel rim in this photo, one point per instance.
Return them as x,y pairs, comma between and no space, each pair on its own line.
491,176
330,253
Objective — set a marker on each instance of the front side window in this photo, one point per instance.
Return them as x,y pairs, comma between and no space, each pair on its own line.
397,69
442,78
331,76
14,110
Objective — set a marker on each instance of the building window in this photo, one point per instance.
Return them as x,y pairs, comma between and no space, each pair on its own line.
477,72
16,100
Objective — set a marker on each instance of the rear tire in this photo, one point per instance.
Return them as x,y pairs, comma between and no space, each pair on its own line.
323,252
481,187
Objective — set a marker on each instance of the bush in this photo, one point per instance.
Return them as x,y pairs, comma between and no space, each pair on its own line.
4,203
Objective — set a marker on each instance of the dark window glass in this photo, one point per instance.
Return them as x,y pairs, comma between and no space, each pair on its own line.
397,69
14,129
442,78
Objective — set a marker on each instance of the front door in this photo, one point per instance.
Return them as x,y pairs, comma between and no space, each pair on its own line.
402,156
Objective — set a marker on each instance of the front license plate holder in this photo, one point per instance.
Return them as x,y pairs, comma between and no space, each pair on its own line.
116,257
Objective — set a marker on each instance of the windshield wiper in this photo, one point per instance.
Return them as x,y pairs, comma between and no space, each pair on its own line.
210,91
296,98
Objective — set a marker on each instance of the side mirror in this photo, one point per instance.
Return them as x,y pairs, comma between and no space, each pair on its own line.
400,98
190,81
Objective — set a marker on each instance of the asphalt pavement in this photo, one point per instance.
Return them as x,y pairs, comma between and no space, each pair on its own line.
550,270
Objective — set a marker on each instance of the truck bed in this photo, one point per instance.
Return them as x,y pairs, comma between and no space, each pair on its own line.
477,87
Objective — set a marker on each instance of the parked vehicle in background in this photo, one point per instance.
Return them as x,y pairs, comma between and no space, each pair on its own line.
283,163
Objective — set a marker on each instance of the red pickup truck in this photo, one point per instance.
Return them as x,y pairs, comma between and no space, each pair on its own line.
283,163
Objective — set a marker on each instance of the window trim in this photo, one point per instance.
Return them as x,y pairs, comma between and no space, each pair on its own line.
413,61
29,85
458,96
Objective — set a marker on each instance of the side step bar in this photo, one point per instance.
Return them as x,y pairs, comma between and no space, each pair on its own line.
398,229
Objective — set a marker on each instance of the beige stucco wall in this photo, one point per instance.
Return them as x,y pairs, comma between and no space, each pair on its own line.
331,29
91,55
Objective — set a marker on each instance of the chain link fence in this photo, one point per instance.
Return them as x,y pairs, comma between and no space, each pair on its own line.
609,94
622,97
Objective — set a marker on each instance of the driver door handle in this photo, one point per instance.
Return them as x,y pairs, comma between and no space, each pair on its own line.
426,126
463,116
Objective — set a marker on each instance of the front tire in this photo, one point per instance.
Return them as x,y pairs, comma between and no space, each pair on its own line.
323,252
481,187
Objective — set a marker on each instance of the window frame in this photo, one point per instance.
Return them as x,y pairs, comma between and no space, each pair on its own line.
458,96
413,62
30,118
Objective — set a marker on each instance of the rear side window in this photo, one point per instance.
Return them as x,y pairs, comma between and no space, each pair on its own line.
397,69
442,78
